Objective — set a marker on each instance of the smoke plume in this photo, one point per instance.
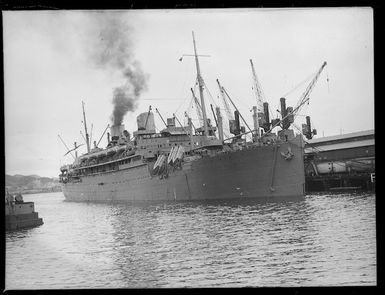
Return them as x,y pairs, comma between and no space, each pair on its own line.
114,50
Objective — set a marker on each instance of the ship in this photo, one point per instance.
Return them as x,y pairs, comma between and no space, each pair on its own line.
182,163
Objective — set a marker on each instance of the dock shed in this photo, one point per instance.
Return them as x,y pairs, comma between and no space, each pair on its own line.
341,162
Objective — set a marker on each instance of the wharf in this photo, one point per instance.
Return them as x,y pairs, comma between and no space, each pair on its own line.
341,163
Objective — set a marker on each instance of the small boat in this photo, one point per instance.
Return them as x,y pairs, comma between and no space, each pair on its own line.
20,214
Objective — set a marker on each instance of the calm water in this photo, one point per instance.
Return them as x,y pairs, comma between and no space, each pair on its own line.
320,240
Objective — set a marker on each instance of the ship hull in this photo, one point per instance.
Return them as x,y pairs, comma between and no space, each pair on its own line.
257,172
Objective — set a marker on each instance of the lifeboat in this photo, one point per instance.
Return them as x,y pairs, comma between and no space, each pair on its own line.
171,154
175,154
180,153
159,162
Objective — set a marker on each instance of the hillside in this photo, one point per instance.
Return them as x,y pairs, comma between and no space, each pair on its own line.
31,184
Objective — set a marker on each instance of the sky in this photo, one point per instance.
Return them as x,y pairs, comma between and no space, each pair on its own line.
54,60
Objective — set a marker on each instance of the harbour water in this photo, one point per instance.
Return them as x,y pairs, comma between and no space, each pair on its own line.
318,240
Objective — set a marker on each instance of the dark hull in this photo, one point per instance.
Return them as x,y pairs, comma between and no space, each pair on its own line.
259,172
15,222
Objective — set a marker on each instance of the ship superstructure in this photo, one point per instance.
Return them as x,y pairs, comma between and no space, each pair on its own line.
188,163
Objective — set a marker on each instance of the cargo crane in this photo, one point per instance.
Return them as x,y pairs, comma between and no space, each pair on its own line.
261,110
161,117
229,114
233,118
290,112
189,121
305,96
259,95
306,128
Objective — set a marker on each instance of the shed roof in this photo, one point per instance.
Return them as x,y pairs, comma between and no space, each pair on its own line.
339,146
343,136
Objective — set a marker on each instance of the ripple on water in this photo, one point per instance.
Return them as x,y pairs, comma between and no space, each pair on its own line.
319,240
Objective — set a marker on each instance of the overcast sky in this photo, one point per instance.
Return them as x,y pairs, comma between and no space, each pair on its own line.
52,62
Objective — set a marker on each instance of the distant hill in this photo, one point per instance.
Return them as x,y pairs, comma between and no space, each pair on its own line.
31,184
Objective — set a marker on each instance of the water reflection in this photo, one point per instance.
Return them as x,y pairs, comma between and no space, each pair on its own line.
214,241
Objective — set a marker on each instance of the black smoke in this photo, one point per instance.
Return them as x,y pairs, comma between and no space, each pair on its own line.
114,50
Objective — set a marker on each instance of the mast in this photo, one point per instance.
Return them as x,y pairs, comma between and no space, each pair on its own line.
200,83
85,129
92,127
257,92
